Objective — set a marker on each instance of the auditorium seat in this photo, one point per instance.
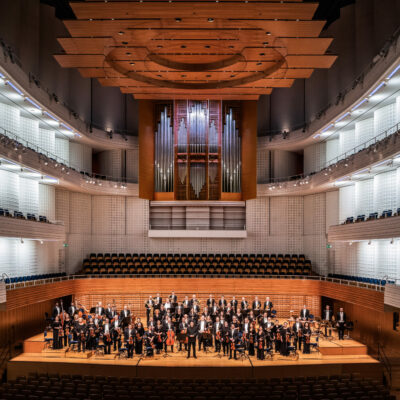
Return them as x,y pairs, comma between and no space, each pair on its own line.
175,264
88,387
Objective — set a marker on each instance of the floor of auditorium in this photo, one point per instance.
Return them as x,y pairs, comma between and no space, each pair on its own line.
333,357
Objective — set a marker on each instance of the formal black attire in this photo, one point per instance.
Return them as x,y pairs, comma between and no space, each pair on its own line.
192,332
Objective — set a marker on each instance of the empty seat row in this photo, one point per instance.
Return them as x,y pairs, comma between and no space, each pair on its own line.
196,264
372,281
372,216
20,279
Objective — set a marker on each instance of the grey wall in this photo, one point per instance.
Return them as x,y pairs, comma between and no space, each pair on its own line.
31,29
359,35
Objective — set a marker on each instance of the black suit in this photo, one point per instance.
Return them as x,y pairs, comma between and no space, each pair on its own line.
129,346
268,307
192,332
298,332
341,320
233,337
72,310
305,313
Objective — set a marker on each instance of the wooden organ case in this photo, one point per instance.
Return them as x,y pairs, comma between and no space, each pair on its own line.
197,150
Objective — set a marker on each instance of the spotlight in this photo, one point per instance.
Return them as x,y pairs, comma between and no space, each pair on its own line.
41,241
210,19
22,241
178,19
369,243
392,241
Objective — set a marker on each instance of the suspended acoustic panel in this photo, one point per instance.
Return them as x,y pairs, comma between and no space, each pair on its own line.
203,50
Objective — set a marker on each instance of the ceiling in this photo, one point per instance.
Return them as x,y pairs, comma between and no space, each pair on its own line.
200,50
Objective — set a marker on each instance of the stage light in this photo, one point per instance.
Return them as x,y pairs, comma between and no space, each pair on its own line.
33,103
377,88
14,87
359,104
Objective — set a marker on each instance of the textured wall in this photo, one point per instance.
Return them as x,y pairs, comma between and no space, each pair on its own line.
120,224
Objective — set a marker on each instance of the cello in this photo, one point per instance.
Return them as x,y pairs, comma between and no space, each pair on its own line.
170,337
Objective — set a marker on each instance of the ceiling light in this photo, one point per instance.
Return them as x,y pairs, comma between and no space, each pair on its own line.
265,43
210,19
359,104
128,53
33,103
393,72
124,42
377,88
178,19
14,87
132,63
262,54
259,63
121,33
268,33
159,46
183,47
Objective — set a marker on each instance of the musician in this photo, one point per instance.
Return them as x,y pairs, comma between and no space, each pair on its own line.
193,316
285,339
222,303
327,315
233,338
256,307
173,299
56,310
179,310
194,303
149,341
341,322
157,302
252,338
151,323
139,338
98,310
217,331
91,341
58,334
167,308
260,341
306,338
234,304
245,327
304,313
169,334
82,335
229,313
116,329
73,309
67,327
225,337
251,316
159,337
107,339
129,335
192,333
244,306
214,311
149,306
183,326
269,330
298,333
186,305
210,302
268,306
206,312
125,316
202,329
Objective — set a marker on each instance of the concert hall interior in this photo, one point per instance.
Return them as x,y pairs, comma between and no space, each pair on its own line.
199,199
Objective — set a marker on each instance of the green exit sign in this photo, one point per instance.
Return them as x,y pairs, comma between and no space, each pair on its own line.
328,246
66,244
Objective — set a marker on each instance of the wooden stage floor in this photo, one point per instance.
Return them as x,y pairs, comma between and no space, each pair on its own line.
334,357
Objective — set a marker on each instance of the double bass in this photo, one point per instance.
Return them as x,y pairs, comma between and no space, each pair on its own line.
170,337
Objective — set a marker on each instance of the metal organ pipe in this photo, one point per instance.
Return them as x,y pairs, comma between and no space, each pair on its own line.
231,156
164,165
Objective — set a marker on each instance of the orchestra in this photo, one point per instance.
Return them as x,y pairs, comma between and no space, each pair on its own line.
233,328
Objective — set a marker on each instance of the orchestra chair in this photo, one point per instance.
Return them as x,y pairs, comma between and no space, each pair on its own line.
314,346
73,346
122,353
99,350
48,342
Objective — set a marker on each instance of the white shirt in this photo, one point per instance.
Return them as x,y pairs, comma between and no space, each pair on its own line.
202,325
327,314
341,317
106,329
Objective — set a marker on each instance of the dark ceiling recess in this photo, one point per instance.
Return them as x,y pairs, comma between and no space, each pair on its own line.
63,9
328,10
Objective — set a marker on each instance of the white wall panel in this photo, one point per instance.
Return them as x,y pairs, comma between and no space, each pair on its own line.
385,192
314,157
47,194
384,119
62,207
263,164
28,196
47,141
80,157
346,142
346,202
132,164
364,131
108,215
332,209
29,130
398,109
62,150
9,118
9,190
80,213
332,150
364,197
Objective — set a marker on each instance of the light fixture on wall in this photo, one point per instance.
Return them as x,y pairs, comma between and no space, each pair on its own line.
350,243
22,241
369,243
392,241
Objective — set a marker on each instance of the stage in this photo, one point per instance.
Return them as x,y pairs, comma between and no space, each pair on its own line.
333,357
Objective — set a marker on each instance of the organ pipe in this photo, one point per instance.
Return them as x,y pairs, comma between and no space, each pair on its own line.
164,154
231,156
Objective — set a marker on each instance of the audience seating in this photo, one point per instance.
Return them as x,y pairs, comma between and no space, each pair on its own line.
196,264
4,212
372,216
71,387
372,281
20,279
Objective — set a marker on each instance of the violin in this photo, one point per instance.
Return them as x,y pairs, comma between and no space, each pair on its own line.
108,337
218,336
138,337
232,344
288,337
260,343
130,340
307,338
278,336
83,336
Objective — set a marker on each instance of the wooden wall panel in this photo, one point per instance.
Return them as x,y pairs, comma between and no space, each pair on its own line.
249,149
146,149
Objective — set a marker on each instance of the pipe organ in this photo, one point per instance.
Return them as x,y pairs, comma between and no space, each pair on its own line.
197,150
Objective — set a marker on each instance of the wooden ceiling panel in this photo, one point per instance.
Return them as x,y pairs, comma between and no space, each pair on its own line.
195,48
196,96
107,28
186,9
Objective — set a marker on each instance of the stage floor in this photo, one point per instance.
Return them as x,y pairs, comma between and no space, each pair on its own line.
333,357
